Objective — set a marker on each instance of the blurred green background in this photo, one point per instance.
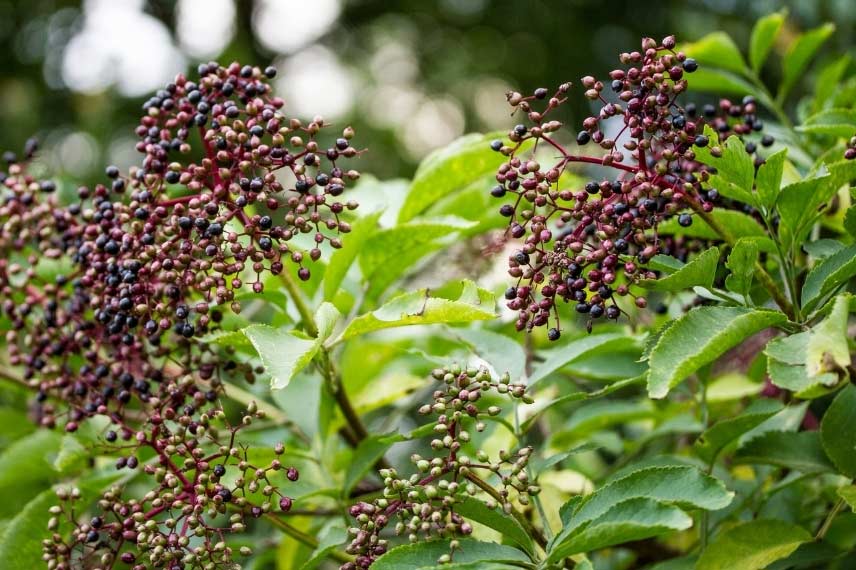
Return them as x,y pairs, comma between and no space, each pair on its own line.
410,75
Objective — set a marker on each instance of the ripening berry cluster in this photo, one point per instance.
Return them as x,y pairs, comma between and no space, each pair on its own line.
99,292
421,505
590,245
108,293
263,190
81,359
204,488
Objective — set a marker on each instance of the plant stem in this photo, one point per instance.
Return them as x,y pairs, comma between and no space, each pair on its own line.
524,522
9,377
761,273
300,303
786,268
355,431
529,350
704,526
325,364
827,522
306,539
334,384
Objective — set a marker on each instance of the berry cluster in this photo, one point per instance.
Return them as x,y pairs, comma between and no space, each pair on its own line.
107,298
81,359
100,292
422,504
590,245
263,183
204,487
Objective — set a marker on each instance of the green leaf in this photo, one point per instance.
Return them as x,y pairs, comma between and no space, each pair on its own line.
828,82
764,35
850,221
365,456
235,339
580,396
475,510
620,365
837,433
21,546
836,122
799,205
503,353
737,223
789,419
283,353
577,349
665,264
15,424
786,366
71,454
709,80
717,49
342,259
741,262
768,181
424,555
831,273
798,56
732,386
735,169
388,254
797,380
843,172
788,349
700,271
800,451
600,415
30,457
419,308
823,248
848,493
752,546
553,460
480,565
630,520
682,563
723,433
700,337
826,349
683,485
27,465
450,169
331,536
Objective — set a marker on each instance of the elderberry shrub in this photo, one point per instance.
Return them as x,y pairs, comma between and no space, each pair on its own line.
590,245
422,504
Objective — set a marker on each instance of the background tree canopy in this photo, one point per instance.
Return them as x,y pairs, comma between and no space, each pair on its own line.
409,75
